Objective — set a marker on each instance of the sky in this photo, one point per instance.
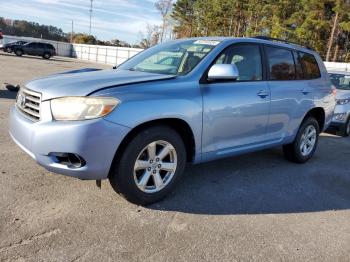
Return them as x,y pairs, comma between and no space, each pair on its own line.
111,19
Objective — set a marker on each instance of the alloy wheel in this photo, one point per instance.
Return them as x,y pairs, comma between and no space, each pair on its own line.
308,140
155,166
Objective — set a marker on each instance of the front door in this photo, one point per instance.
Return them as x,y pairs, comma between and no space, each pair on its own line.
236,113
30,49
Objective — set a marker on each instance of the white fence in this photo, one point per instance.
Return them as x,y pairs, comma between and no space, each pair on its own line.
101,54
114,55
104,54
335,66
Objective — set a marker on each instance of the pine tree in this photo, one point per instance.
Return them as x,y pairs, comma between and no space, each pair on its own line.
321,24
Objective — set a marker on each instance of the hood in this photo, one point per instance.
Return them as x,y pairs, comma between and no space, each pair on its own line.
342,94
83,84
82,70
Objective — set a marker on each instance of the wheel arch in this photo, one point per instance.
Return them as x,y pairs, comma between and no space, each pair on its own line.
179,125
319,114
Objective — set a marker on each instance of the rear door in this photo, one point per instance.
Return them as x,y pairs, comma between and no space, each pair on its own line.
40,49
30,48
291,93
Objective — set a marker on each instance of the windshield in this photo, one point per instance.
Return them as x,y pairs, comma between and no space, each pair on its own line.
174,58
340,81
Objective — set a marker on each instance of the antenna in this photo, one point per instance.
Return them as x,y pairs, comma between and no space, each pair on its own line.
90,16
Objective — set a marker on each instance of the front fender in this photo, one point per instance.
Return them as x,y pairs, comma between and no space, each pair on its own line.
139,107
133,114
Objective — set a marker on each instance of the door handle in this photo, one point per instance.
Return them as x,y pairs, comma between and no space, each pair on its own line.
263,93
305,91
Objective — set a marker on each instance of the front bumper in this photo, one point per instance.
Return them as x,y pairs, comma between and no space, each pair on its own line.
94,140
341,115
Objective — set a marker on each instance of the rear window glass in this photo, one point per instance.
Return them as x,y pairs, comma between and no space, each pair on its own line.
281,64
298,66
48,46
310,66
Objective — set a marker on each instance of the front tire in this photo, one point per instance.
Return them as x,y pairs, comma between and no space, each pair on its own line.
304,146
150,166
19,52
8,50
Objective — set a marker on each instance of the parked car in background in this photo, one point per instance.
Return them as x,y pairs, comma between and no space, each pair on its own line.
189,100
341,118
8,48
1,38
44,50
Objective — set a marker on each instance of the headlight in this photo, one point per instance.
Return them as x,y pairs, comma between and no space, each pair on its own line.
82,108
343,101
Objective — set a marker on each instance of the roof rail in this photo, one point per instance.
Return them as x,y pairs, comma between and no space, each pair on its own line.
282,41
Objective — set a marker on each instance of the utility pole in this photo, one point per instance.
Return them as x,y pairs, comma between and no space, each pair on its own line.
72,32
90,16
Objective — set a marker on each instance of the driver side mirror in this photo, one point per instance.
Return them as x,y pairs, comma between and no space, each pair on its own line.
223,72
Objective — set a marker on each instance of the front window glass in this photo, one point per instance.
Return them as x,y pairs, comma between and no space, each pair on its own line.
340,81
247,58
176,58
30,45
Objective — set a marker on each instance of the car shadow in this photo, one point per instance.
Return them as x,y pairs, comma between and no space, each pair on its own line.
37,58
8,94
265,183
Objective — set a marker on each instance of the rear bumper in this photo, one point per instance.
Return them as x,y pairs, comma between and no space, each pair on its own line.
94,140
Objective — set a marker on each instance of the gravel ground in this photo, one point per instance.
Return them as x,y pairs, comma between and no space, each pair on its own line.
256,207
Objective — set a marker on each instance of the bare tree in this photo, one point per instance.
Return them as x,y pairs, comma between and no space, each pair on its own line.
150,37
164,7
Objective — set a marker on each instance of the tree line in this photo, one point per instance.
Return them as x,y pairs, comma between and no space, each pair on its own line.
321,24
32,29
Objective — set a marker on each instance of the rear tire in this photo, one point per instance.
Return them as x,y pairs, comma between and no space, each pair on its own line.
19,52
47,56
304,146
141,173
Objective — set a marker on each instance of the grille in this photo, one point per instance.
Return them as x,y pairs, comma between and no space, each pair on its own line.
28,102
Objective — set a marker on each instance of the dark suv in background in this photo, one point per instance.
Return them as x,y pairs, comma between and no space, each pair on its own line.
36,49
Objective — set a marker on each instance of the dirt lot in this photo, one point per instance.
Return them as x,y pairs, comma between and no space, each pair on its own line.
256,207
